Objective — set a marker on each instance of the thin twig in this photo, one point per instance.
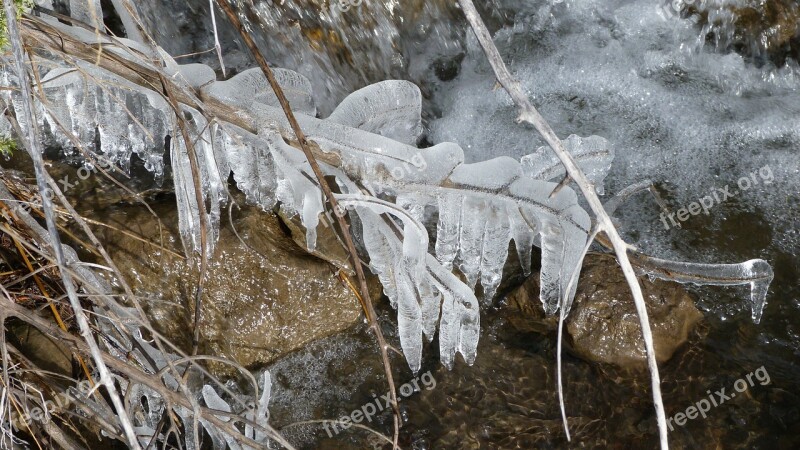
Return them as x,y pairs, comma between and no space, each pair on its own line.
217,46
573,279
529,114
343,225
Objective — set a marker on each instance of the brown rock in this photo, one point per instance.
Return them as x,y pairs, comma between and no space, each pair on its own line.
525,311
261,300
603,325
329,246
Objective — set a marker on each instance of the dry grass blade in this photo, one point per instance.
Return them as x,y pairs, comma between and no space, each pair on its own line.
34,148
217,45
56,314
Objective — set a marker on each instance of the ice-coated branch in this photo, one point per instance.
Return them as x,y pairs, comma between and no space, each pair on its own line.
33,145
323,184
367,144
529,114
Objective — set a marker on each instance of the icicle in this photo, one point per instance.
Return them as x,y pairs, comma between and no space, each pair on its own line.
385,251
755,272
497,234
459,328
523,236
251,162
470,238
295,190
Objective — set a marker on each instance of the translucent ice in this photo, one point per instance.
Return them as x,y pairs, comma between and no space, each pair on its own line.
459,328
251,162
128,118
496,235
385,253
756,273
447,230
250,88
390,108
593,155
213,190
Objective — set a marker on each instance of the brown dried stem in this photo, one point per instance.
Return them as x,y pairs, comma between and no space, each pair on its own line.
529,114
343,225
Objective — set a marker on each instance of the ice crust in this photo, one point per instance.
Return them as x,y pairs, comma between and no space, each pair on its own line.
593,155
390,108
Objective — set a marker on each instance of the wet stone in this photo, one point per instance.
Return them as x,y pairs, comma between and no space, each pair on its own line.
261,299
603,325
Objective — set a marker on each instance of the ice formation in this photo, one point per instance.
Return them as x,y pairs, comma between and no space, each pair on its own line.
481,207
392,109
147,407
756,273
593,155
129,119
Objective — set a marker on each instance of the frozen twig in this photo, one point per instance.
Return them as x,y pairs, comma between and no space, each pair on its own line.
529,114
343,225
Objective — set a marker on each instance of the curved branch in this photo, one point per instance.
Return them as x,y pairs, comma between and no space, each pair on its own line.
529,114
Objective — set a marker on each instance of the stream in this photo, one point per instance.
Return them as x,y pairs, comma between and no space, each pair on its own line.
682,108
698,101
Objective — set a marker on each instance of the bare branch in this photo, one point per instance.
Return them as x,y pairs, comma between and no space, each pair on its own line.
529,114
343,225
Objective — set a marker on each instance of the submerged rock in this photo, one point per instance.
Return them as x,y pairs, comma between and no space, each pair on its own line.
261,299
603,325
768,29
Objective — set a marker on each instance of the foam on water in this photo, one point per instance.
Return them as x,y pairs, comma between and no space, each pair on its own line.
674,110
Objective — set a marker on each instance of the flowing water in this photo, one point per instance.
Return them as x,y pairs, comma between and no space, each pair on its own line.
694,99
